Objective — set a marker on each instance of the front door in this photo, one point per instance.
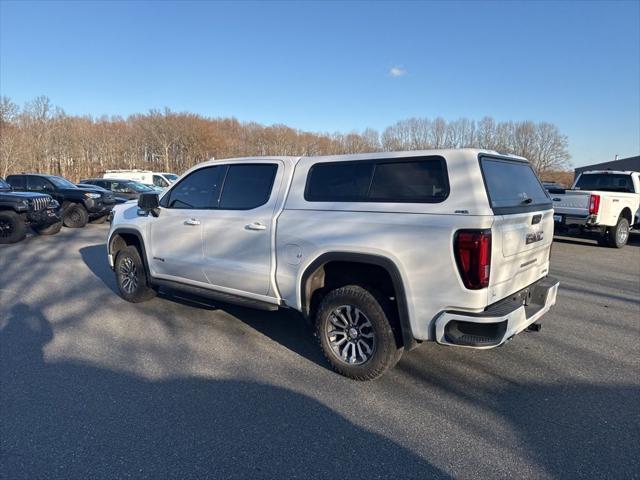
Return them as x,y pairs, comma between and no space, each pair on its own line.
42,185
176,234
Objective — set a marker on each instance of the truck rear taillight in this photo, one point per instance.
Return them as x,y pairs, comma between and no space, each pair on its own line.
594,204
473,256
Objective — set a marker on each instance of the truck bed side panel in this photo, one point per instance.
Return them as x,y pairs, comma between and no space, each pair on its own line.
420,245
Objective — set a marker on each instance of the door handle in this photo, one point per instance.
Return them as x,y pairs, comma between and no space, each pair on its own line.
255,226
192,221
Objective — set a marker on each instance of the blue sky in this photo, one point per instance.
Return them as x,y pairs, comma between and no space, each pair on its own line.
332,66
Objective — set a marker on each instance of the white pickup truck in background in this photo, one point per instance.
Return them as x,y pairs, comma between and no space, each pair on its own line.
601,201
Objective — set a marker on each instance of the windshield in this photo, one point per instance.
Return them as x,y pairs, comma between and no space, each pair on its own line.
606,182
4,185
61,182
172,177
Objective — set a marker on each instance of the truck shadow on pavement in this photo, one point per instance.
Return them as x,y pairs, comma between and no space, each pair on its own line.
285,327
67,420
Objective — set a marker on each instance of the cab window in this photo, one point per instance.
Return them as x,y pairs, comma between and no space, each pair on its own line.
17,182
120,187
247,186
38,184
198,190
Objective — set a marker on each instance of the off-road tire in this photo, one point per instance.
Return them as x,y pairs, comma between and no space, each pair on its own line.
129,265
377,311
12,227
618,236
75,216
49,229
99,220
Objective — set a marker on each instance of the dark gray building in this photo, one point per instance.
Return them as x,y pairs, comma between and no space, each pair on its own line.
630,163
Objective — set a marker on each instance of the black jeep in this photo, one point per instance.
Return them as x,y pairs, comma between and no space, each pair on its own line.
79,205
19,210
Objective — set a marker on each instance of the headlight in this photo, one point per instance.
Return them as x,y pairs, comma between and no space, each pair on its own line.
92,195
53,203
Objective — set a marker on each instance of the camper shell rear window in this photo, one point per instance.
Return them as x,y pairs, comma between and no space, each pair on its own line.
513,186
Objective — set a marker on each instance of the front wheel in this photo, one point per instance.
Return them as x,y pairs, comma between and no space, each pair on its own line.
75,216
131,276
12,227
355,334
618,236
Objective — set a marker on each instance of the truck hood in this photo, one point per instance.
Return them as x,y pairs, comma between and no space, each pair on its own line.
105,194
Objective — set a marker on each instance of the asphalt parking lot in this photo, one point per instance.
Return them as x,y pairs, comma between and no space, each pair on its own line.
95,387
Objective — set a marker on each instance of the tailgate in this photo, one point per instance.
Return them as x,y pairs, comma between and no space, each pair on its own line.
520,253
522,230
572,203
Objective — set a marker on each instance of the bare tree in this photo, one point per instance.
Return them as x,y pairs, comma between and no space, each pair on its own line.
41,137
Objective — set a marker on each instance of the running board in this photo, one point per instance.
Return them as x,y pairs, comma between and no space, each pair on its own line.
215,295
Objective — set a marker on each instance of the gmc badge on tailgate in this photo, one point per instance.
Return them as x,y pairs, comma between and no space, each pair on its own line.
534,237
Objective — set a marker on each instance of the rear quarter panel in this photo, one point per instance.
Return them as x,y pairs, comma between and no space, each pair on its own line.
420,245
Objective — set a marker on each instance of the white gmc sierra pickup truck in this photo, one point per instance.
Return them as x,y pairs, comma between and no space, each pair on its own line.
380,251
603,201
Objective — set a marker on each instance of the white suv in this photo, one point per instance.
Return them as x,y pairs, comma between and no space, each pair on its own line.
380,251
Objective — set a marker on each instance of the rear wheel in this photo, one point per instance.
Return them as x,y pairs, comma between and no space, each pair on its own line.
49,229
618,236
131,276
12,227
75,216
355,334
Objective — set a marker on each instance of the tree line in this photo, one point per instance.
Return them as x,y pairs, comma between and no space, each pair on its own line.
41,137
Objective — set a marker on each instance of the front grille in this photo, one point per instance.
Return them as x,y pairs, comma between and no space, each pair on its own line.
40,203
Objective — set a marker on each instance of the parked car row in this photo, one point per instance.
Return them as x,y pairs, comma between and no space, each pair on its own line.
45,203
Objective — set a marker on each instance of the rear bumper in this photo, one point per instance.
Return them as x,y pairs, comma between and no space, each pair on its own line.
499,322
569,220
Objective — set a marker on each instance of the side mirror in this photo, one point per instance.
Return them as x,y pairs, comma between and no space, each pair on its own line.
149,203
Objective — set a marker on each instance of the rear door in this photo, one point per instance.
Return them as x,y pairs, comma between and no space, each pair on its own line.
237,235
522,231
